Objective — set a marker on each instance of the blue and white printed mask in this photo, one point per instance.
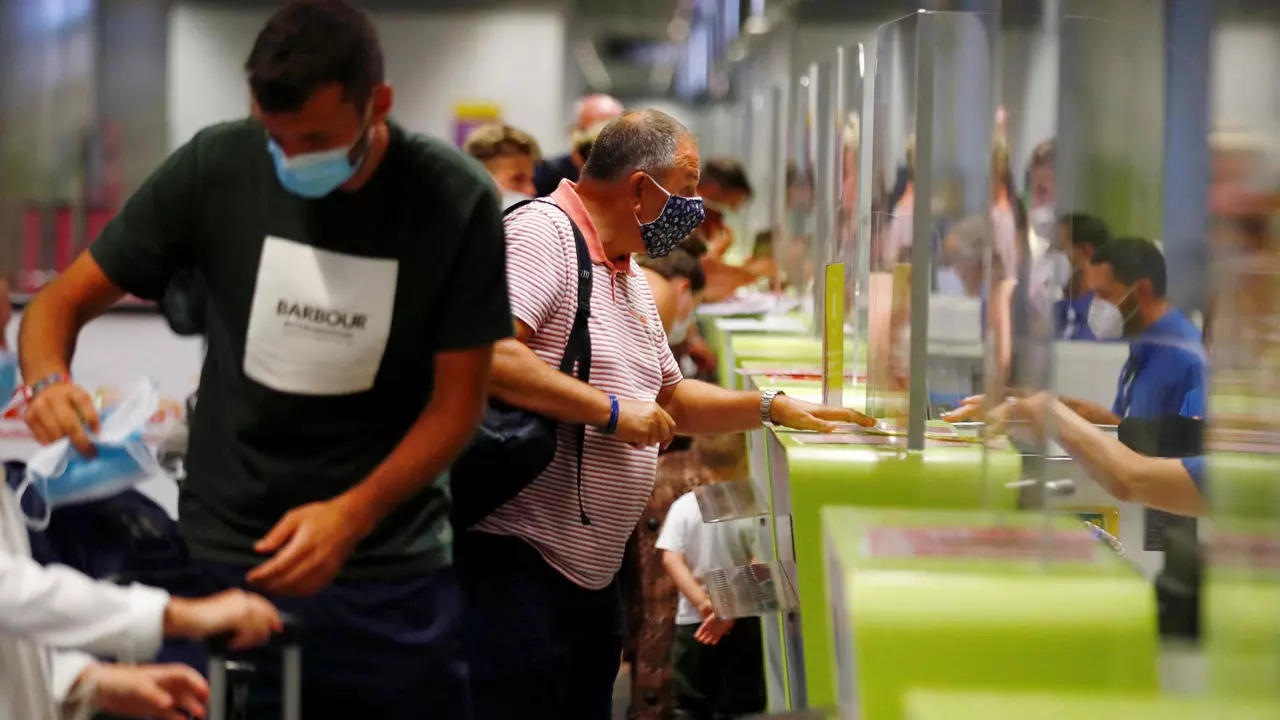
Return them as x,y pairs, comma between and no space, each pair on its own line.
314,175
62,476
679,217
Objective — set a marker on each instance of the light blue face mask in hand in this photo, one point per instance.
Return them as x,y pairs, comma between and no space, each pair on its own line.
62,476
8,377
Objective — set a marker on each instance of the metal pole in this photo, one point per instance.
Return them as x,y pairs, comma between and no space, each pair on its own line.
922,233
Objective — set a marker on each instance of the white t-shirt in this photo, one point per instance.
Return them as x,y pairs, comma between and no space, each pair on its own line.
705,546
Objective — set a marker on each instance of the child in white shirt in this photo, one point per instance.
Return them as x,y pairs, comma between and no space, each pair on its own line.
718,663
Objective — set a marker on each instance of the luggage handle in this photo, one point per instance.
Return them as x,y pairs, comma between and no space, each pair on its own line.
291,671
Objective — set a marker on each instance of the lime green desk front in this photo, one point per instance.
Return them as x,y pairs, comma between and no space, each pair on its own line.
951,705
799,477
980,600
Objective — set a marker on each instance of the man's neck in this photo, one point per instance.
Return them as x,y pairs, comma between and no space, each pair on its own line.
603,216
1152,312
379,141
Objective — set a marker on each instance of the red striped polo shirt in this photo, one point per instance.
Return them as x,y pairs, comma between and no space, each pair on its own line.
630,358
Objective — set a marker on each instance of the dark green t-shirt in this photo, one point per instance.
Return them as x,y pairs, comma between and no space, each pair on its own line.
323,321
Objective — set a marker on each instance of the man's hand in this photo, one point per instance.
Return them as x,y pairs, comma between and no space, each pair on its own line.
249,618
168,692
63,410
644,423
705,608
712,629
801,415
311,543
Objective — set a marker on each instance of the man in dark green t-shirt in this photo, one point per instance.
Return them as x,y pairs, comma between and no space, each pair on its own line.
355,288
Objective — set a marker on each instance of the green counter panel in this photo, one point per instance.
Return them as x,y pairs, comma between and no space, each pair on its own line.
821,475
914,612
939,705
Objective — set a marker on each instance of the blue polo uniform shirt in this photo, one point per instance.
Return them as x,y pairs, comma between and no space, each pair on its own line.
1165,373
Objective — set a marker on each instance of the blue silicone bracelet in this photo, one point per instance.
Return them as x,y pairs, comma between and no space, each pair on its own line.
612,427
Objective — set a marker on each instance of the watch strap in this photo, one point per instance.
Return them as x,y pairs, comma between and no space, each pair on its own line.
766,406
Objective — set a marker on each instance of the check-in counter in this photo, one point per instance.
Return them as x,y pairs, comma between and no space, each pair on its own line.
1005,602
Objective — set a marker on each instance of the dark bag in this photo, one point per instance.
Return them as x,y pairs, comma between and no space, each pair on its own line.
1170,436
513,446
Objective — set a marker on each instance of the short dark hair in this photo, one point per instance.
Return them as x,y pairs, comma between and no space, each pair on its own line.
1133,259
678,263
309,44
1086,229
728,174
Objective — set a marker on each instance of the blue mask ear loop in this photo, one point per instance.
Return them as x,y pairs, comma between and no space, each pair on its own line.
41,524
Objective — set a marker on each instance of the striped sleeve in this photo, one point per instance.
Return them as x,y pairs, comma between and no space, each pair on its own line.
536,267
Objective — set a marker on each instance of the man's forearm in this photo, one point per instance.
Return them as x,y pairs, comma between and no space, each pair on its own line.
1091,411
1162,483
704,409
521,379
47,337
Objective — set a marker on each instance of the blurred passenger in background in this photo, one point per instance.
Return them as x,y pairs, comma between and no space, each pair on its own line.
346,367
590,114
1050,265
509,155
724,189
677,282
1075,316
1042,197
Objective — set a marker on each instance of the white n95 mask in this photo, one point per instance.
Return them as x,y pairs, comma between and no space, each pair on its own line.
1105,320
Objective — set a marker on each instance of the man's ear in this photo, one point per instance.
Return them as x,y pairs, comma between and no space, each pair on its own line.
381,103
635,191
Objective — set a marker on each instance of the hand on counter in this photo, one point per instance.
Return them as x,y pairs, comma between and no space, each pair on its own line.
800,415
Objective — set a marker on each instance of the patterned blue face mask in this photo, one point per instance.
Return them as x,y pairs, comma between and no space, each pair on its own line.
679,217
314,175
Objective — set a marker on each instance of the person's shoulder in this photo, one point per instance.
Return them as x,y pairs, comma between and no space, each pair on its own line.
446,167
230,139
540,217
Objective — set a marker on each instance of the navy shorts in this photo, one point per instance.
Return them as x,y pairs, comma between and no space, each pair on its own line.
539,646
370,649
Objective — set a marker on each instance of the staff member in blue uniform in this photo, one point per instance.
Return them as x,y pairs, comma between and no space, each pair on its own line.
1167,366
356,286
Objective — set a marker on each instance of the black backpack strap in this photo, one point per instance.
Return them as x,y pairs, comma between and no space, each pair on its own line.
577,350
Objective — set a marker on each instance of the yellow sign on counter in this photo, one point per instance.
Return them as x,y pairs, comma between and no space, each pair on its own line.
833,337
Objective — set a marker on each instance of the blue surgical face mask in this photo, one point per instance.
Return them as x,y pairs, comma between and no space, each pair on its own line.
314,175
679,217
116,468
61,476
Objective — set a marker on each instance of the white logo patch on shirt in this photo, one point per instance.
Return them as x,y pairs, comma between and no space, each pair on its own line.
320,320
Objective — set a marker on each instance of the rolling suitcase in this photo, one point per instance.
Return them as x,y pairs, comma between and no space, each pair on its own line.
229,679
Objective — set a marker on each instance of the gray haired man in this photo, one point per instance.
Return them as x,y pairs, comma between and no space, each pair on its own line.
543,619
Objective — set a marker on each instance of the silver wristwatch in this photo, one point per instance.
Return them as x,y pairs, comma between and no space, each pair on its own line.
766,406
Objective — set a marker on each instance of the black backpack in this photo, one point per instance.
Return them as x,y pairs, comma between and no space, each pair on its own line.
513,446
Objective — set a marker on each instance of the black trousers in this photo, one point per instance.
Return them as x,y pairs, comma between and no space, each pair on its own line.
725,680
539,646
